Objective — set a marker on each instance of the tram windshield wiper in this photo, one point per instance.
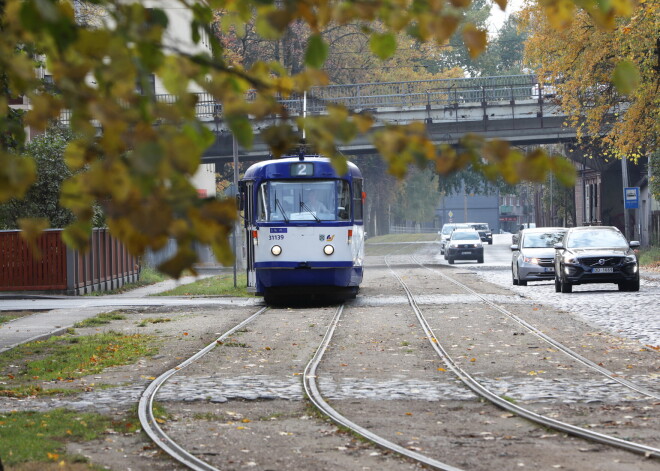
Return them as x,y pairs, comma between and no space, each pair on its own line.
279,206
306,208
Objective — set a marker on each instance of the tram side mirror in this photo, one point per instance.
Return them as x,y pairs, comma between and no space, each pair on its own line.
559,246
634,244
514,247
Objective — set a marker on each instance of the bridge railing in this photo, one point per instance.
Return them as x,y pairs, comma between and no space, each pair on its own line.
368,96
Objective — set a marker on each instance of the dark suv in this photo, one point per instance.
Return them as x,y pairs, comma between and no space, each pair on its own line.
596,254
484,231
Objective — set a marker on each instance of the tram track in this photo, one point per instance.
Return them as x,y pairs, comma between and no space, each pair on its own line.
311,388
568,351
145,405
487,394
315,396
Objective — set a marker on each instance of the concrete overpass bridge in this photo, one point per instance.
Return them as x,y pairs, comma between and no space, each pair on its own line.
516,108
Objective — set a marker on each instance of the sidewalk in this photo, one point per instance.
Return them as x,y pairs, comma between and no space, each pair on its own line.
56,321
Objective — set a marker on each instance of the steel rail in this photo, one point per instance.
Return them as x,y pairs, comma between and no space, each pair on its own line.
315,396
482,391
576,356
145,406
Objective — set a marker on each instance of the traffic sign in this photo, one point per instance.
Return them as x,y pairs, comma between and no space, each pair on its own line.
631,197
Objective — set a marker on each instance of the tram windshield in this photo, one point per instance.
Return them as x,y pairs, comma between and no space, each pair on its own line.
308,200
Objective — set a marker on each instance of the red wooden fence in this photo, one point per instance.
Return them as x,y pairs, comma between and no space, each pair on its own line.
107,265
20,271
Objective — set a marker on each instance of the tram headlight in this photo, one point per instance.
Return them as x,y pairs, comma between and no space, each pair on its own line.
276,250
328,250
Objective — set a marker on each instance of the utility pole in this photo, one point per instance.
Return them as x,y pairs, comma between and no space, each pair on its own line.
552,208
624,177
237,225
465,203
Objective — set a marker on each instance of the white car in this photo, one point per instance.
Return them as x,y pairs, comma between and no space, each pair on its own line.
533,257
464,244
446,231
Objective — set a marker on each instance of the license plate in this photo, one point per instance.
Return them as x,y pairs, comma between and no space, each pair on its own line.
603,270
466,253
549,270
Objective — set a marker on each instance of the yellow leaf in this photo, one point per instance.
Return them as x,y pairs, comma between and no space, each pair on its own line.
16,175
32,229
441,369
559,12
475,40
501,4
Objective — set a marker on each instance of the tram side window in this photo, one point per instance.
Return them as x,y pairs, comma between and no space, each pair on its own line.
357,200
343,201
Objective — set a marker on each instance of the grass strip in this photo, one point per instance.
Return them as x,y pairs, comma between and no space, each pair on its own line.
396,238
67,358
148,276
28,437
649,257
7,316
101,319
220,285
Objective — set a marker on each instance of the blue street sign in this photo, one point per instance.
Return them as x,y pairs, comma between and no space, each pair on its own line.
631,197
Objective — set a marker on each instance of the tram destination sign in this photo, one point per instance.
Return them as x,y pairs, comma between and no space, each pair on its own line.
302,169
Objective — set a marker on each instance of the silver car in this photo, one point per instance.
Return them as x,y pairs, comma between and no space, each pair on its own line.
534,255
445,233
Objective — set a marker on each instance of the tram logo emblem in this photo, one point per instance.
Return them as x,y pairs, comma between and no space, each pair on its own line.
328,237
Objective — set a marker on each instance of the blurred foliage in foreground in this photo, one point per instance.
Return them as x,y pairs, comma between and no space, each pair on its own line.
138,169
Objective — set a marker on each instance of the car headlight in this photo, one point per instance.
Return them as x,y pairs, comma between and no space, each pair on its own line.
533,260
569,259
328,250
630,258
276,250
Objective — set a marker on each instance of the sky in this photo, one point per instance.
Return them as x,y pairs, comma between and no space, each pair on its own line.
497,16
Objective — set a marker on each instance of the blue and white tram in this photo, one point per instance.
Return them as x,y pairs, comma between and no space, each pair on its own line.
304,228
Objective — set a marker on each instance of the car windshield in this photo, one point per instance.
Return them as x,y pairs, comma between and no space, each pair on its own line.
480,227
446,230
459,235
596,239
542,240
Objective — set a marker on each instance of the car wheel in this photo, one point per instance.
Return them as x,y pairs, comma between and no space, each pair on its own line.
566,287
513,277
450,260
480,260
490,242
634,285
522,283
629,285
557,285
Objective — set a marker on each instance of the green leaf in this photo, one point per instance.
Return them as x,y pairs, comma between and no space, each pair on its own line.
317,52
626,77
242,129
16,175
383,45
